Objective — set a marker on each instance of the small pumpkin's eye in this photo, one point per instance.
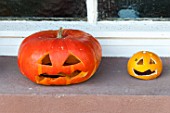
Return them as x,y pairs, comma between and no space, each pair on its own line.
46,60
152,61
140,62
71,60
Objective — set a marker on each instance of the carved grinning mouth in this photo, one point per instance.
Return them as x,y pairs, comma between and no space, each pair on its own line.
61,74
145,73
51,79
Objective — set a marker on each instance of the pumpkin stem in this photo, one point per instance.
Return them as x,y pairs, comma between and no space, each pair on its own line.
60,32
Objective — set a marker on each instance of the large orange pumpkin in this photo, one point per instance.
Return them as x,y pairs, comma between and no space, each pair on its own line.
59,57
145,65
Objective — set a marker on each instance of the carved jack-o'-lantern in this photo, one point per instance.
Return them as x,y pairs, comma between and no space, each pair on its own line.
59,57
144,65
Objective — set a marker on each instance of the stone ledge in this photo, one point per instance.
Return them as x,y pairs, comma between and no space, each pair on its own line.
84,104
110,90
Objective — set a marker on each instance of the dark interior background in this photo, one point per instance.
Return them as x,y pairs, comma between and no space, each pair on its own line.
133,9
77,9
43,8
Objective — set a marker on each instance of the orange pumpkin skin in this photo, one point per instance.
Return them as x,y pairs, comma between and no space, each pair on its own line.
144,65
48,60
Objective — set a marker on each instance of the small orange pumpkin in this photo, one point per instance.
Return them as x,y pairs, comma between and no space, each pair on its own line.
59,57
144,65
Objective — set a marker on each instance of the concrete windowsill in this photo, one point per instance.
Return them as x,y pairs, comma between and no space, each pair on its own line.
110,90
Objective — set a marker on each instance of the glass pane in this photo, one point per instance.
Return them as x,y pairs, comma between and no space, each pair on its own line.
43,8
133,9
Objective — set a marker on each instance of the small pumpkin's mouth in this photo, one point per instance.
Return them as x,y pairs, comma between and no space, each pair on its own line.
61,74
145,73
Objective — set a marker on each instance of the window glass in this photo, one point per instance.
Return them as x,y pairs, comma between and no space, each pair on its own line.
133,9
43,8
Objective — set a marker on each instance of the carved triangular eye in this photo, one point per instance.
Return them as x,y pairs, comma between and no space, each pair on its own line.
46,60
152,61
140,62
71,60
